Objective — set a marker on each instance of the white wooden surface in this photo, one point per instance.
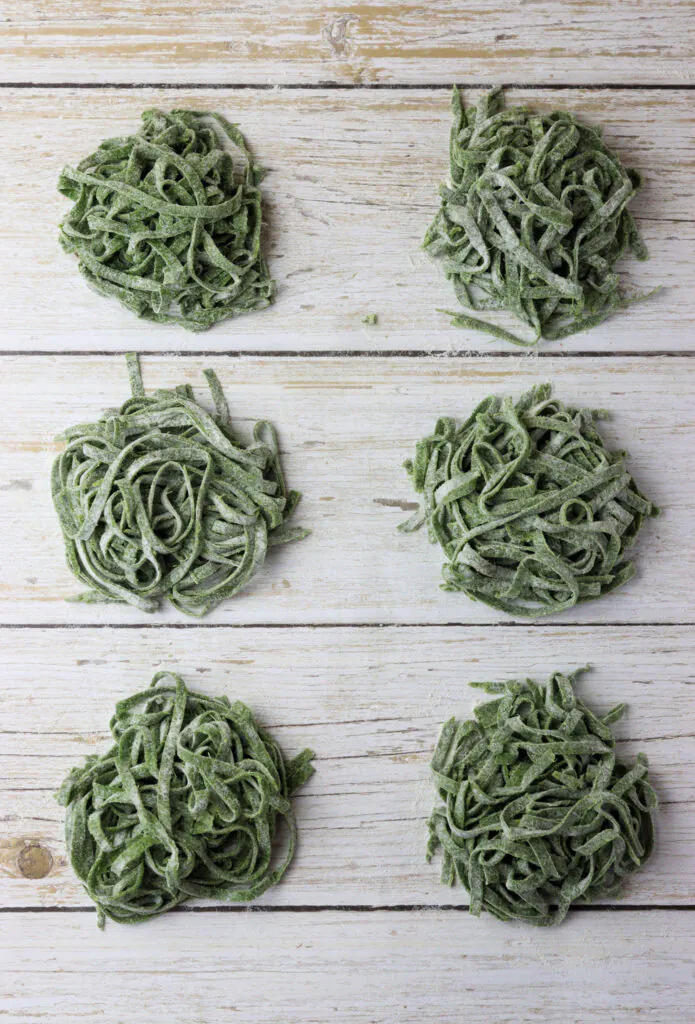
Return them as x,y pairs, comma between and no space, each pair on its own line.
339,644
346,426
346,41
352,186
369,701
380,966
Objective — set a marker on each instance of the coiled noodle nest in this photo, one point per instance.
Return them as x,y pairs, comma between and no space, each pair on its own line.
159,500
533,513
533,220
537,811
167,223
186,803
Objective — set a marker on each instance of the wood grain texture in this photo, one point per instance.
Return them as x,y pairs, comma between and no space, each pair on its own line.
345,41
357,968
345,428
369,702
353,185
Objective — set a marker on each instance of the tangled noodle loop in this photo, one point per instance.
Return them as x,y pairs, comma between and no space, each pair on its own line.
532,511
164,221
185,803
533,220
537,811
158,500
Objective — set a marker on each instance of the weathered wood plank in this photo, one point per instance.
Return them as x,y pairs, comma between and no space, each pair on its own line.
345,428
352,187
345,41
356,968
369,702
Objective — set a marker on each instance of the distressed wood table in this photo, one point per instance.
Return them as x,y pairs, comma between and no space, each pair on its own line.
345,641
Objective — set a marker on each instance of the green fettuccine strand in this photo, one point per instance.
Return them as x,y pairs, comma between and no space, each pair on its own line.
537,812
533,513
159,500
164,221
534,220
185,803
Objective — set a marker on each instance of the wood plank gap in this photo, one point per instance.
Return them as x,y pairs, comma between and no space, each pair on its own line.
540,624
352,86
260,353
355,908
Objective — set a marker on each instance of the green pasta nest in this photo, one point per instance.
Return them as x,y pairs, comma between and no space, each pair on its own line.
533,220
533,513
165,222
185,803
159,500
537,812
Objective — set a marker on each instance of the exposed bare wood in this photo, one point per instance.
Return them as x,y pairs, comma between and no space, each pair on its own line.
346,41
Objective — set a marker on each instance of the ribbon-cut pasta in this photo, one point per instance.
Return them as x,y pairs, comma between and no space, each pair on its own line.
166,223
533,513
185,804
533,220
159,500
537,812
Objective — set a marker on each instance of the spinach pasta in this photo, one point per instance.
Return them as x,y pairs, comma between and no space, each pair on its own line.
533,513
537,812
533,220
158,500
186,803
168,220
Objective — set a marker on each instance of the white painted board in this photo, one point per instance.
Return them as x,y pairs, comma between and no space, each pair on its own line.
369,702
369,968
352,187
345,41
345,428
